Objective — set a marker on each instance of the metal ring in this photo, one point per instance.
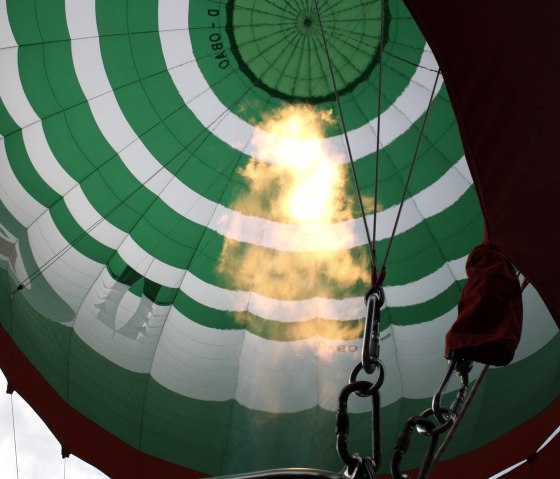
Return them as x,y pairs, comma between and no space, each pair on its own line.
436,431
351,473
376,385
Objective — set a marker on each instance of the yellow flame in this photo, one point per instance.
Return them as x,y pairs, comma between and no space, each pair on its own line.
303,182
309,177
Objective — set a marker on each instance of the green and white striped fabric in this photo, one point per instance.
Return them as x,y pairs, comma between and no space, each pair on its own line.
126,127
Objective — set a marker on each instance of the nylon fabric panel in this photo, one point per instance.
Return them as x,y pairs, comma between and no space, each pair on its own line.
125,143
489,149
163,407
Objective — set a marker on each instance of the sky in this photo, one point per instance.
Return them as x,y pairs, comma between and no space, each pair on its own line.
38,452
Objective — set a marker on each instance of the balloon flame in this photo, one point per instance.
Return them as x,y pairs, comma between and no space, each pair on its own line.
302,182
309,178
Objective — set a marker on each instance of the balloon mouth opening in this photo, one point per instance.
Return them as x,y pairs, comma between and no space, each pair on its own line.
307,22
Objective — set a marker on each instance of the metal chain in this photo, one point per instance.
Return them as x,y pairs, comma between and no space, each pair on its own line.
356,465
460,416
446,417
371,347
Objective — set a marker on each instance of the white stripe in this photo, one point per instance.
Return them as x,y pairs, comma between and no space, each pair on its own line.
177,48
451,185
421,363
290,376
273,376
427,287
43,160
542,326
211,355
7,39
19,203
268,232
287,311
133,354
14,196
284,237
11,90
87,216
434,199
72,274
148,266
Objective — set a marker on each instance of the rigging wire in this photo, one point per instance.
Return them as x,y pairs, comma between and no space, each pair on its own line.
41,269
468,402
460,417
380,80
407,184
354,174
14,433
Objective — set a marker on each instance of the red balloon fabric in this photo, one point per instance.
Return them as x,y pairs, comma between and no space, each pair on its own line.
501,71
488,326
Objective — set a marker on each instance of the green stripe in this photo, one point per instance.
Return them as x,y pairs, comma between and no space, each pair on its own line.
427,310
123,217
25,172
40,295
23,21
62,62
5,291
8,221
325,328
72,139
35,80
223,437
7,125
77,237
174,240
268,329
251,109
413,256
141,89
101,254
202,434
117,404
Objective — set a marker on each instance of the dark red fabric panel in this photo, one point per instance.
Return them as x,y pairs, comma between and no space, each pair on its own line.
77,434
490,312
546,464
542,465
520,472
509,449
501,68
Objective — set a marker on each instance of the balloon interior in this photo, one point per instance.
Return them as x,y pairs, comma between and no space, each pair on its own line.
233,238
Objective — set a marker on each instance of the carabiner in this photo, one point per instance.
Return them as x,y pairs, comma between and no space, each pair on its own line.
462,367
370,350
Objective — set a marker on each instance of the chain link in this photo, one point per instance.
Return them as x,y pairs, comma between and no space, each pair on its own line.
425,427
374,299
356,465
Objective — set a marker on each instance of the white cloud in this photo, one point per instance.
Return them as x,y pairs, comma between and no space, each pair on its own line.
38,451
